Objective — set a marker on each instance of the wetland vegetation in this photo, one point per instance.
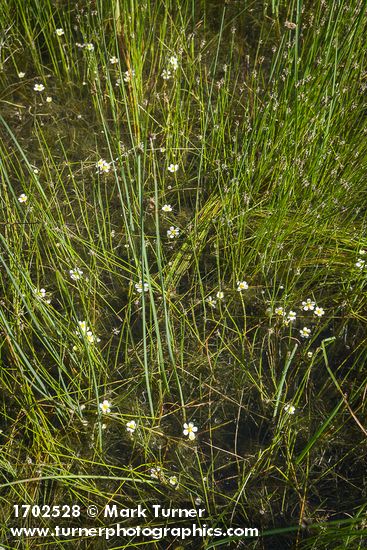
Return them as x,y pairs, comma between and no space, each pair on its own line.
183,267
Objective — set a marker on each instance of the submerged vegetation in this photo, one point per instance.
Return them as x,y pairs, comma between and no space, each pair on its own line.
183,267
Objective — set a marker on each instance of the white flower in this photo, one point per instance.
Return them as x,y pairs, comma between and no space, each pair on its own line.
190,430
76,273
241,285
128,75
173,168
166,74
309,354
91,338
167,208
173,232
305,332
155,473
173,480
89,47
308,305
39,292
292,316
49,99
173,61
38,87
103,167
211,302
279,311
114,60
59,32
319,311
21,75
360,263
220,295
290,25
83,326
22,198
85,331
131,426
290,409
139,286
105,406
362,251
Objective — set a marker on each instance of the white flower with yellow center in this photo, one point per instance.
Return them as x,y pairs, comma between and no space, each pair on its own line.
290,409
360,263
38,87
173,232
308,305
91,338
155,473
173,168
84,331
105,406
89,47
305,332
131,426
83,326
167,208
220,295
76,274
22,198
139,286
40,292
103,167
319,311
114,60
242,285
21,75
279,311
211,302
173,480
59,32
292,315
173,61
48,99
190,429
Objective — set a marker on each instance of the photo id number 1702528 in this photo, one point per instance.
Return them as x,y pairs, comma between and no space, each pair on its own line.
46,511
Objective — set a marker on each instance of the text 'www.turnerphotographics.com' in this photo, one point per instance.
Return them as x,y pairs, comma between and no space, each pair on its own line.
138,514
